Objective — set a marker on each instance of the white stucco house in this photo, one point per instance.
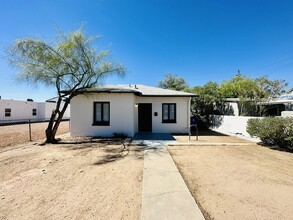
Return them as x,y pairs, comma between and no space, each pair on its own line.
129,109
16,110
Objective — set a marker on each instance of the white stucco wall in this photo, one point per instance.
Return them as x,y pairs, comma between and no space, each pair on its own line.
49,107
67,112
41,110
182,114
230,125
287,113
124,114
21,110
121,115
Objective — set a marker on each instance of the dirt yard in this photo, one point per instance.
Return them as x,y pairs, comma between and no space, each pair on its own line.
244,181
84,180
17,134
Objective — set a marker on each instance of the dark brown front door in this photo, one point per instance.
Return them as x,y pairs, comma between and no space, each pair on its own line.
145,117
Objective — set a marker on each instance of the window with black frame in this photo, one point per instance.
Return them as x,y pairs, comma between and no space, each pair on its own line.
34,112
168,113
8,112
101,113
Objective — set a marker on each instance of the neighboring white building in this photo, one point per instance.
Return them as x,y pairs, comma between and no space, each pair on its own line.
280,106
231,106
23,110
129,109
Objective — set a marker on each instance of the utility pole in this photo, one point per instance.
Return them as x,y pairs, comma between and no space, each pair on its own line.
238,73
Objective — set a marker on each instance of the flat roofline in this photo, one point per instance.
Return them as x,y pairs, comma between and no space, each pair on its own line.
139,93
82,92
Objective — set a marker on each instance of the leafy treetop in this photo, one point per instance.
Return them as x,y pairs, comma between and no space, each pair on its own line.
71,65
173,82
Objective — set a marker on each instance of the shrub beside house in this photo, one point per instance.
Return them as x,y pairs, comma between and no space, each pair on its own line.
273,131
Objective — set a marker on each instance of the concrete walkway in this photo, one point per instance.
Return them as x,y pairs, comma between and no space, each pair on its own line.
165,194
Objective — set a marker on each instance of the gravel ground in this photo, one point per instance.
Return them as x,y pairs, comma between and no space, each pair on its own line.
239,181
84,179
17,134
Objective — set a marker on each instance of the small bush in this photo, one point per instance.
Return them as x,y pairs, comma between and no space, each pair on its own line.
275,131
290,140
119,135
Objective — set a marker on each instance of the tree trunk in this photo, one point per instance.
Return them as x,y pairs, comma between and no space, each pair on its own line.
50,136
53,125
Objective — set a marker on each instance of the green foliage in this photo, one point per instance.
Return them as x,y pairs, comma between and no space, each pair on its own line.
245,89
270,88
252,91
239,87
71,65
173,82
209,96
273,131
249,91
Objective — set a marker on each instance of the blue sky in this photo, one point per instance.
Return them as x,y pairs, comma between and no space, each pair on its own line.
199,40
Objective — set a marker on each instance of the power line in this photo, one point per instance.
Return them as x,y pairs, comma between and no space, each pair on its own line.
272,65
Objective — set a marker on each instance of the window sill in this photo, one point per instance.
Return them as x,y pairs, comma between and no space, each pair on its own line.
169,122
101,124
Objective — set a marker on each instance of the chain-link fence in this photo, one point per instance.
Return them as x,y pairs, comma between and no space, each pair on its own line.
24,130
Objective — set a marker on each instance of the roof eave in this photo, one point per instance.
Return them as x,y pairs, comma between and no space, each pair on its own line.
170,95
119,92
134,92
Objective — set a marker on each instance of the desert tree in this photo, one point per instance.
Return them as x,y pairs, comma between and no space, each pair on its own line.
173,82
251,92
208,98
71,64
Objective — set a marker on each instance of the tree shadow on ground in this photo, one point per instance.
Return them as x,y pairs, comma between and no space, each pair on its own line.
155,150
115,154
204,132
111,158
114,149
210,133
80,144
